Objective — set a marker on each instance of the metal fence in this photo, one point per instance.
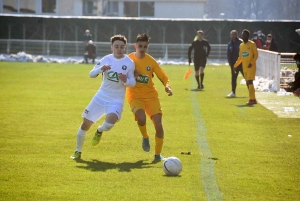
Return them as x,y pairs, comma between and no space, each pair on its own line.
76,48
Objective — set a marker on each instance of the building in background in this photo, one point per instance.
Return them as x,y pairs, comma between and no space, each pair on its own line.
116,8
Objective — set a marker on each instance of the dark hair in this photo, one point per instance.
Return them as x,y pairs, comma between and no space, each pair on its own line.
118,37
296,57
200,31
247,31
143,38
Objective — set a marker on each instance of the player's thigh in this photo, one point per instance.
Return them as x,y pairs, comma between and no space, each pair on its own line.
93,111
113,113
138,108
250,74
153,107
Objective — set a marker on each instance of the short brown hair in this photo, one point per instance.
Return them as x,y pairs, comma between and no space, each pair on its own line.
143,38
118,37
234,31
200,31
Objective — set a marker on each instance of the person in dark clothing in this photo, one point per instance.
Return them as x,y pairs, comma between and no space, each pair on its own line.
294,86
87,36
270,43
90,52
233,48
201,52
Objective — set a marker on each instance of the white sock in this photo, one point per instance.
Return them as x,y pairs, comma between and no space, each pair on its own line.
80,139
105,127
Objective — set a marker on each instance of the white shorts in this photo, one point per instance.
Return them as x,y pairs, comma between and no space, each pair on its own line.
94,111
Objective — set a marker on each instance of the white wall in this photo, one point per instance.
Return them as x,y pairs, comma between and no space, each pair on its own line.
78,7
178,10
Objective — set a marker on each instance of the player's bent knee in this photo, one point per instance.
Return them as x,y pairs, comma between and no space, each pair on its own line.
86,124
249,82
106,126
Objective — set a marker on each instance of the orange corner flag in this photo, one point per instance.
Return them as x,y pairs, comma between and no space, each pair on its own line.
188,72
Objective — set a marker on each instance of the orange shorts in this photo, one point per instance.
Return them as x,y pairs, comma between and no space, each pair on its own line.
150,106
249,74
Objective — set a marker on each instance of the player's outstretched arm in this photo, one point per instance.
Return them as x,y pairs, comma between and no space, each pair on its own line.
98,69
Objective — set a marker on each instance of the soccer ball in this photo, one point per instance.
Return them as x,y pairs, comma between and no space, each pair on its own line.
172,166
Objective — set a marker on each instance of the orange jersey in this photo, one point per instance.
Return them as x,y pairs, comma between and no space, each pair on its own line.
144,88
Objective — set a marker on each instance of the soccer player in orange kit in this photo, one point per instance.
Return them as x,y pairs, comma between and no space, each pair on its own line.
247,56
143,98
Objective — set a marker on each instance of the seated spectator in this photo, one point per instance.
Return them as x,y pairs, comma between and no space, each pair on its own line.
90,52
295,86
87,36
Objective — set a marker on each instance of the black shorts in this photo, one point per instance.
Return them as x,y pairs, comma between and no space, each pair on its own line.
199,63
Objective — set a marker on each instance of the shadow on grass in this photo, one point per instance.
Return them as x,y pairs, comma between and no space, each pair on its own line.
237,97
244,105
96,165
194,90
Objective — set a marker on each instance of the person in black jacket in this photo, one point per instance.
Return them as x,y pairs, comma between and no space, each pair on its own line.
90,52
233,48
201,52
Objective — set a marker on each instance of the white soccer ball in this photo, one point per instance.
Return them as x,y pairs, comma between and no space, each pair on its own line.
172,166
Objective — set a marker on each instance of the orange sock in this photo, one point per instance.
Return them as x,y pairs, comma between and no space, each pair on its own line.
251,92
158,145
143,130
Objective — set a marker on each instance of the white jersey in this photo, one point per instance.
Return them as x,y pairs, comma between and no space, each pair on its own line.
112,89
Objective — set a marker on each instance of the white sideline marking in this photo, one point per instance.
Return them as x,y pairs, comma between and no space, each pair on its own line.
207,164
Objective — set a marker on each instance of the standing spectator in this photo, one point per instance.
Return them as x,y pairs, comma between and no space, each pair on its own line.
247,56
270,43
87,36
258,41
233,48
201,52
261,36
90,52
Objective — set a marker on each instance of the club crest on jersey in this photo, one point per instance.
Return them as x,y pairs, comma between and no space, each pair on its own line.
113,76
124,67
86,111
148,68
245,54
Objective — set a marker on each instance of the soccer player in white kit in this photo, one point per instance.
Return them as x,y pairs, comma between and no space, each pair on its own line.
117,70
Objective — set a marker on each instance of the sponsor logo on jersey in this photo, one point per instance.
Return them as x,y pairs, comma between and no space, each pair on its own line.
113,76
143,79
124,67
245,54
98,63
148,68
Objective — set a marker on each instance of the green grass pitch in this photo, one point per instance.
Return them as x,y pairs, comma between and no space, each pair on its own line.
252,156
